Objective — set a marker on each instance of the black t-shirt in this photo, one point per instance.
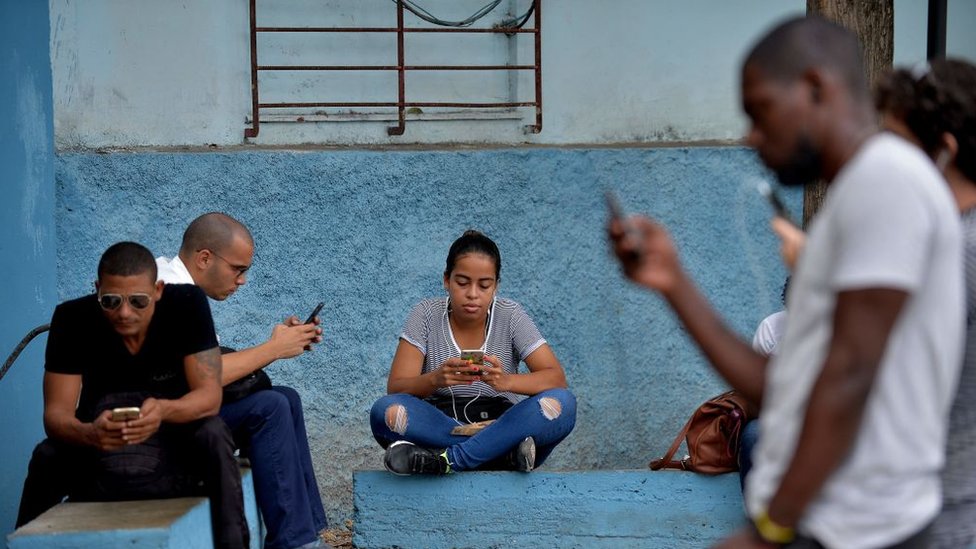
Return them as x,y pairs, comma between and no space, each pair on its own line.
83,342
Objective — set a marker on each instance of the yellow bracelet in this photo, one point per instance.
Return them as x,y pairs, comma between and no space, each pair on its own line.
772,532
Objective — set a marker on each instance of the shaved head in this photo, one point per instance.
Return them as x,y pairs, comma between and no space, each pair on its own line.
803,43
127,259
213,231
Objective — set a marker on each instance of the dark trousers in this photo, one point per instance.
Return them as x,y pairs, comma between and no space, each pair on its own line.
193,453
269,426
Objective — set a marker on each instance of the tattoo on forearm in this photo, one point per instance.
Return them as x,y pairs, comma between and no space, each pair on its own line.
208,364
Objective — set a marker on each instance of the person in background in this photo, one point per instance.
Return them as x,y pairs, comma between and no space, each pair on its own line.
934,107
765,342
771,329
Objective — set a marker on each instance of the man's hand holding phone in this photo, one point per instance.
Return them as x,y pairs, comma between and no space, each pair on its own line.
649,259
293,337
107,434
136,431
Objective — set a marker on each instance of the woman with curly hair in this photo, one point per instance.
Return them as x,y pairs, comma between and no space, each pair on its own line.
934,106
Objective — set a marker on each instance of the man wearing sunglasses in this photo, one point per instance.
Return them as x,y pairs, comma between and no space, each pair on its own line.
136,343
267,421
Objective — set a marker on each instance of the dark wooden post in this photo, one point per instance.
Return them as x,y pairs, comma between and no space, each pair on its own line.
874,23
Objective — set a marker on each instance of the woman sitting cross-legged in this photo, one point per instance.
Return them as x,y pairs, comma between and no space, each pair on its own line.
432,390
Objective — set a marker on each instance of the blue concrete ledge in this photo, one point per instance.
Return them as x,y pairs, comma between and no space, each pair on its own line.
179,523
618,509
176,523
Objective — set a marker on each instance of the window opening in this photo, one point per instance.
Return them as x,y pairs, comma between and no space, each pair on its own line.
404,104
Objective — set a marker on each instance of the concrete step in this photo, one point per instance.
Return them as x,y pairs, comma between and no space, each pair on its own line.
176,523
179,523
592,509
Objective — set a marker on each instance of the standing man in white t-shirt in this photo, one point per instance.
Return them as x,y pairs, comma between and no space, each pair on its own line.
215,255
855,402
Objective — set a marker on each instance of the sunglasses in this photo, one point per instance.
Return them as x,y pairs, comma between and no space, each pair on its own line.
111,302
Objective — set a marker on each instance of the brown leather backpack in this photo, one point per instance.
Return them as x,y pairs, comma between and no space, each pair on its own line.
712,436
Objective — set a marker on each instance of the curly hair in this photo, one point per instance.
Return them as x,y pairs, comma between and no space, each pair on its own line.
934,99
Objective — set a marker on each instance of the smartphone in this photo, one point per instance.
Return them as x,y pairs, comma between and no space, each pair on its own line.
613,205
774,200
617,214
477,358
125,414
315,311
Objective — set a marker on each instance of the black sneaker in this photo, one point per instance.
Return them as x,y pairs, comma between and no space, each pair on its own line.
522,457
406,458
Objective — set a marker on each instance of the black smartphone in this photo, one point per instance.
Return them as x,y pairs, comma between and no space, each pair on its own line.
774,200
617,214
315,311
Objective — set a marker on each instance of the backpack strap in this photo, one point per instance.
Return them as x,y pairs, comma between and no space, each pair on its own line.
666,462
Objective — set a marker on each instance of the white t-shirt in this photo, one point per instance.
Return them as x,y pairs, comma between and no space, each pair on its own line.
769,333
172,271
888,221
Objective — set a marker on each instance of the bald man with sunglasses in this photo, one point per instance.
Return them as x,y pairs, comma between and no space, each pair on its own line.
135,344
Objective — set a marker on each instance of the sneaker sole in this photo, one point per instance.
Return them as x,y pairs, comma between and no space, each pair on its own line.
386,465
526,454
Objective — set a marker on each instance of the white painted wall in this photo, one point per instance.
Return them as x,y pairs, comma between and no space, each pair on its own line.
172,73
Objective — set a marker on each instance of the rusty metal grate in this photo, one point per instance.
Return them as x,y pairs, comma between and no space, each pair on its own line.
401,67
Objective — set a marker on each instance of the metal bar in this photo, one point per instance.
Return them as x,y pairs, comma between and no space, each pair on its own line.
499,30
255,115
20,347
396,104
401,78
402,104
395,68
936,42
538,71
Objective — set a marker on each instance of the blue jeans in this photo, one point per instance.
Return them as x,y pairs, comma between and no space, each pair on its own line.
747,442
429,427
269,426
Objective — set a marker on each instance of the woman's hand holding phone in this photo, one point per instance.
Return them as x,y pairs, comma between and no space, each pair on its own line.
454,371
494,375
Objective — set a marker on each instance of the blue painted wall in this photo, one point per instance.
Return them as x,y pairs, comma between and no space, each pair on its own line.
368,231
637,509
27,256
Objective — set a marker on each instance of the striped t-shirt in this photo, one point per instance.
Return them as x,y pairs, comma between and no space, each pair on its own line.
511,337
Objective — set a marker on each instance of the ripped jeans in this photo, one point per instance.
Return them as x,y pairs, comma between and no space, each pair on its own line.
547,417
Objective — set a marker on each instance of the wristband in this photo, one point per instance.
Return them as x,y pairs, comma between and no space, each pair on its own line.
772,532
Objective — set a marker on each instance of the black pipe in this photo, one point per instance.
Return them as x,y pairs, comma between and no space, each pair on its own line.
20,347
936,47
